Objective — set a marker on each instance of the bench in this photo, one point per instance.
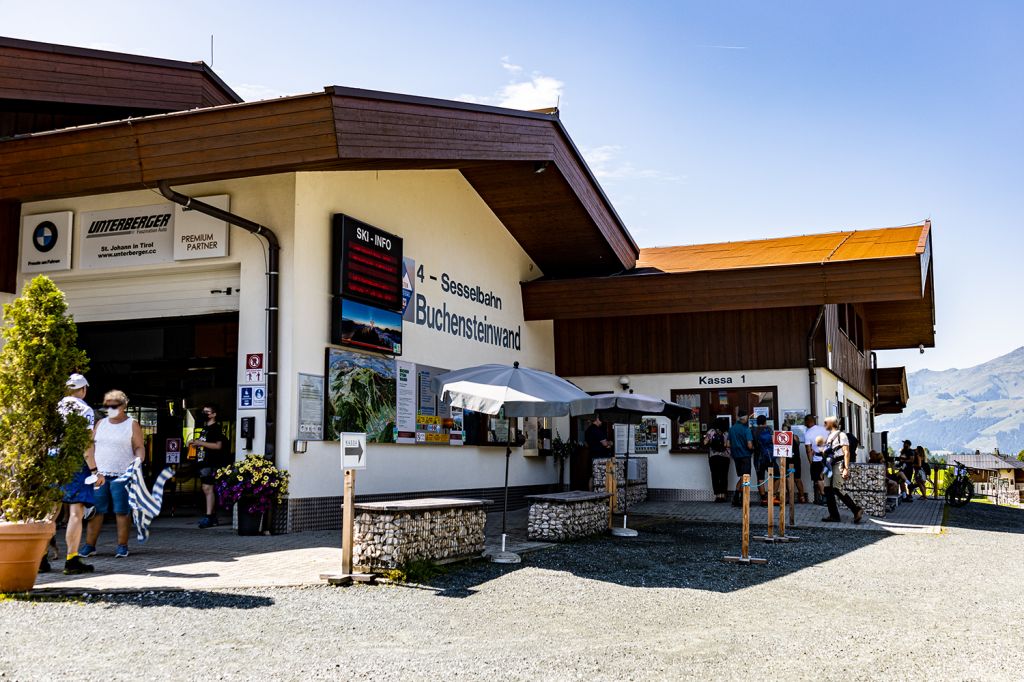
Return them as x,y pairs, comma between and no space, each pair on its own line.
389,535
556,517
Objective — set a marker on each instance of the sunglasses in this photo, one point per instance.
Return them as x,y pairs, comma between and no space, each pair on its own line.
108,405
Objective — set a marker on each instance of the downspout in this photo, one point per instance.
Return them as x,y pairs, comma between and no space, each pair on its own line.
274,256
874,388
812,379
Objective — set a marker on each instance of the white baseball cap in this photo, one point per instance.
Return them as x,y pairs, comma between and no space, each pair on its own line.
77,381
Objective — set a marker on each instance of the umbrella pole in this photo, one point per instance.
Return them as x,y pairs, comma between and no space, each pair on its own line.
503,556
625,532
504,509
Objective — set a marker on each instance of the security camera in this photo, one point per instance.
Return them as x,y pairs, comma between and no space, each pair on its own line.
624,382
921,348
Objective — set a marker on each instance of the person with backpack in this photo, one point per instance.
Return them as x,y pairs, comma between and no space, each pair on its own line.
837,470
716,440
765,452
741,448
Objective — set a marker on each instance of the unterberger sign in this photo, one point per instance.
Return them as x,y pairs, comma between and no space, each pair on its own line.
150,235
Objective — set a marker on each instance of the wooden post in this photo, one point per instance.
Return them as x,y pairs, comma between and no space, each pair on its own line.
611,486
783,485
745,543
771,503
791,482
745,557
347,521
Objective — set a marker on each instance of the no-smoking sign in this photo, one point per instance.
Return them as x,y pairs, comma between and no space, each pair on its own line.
254,360
783,442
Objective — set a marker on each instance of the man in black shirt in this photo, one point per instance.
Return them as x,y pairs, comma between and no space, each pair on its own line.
212,449
597,438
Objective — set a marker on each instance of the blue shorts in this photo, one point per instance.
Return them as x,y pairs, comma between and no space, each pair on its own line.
112,493
78,491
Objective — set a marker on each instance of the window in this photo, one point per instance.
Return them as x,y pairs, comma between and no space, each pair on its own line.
688,433
708,407
859,329
844,326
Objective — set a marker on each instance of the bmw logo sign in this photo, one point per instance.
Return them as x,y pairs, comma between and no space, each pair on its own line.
44,237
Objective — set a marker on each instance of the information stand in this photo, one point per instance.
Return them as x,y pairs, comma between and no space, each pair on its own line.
353,457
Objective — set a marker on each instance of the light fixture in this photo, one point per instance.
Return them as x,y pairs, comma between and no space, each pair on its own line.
921,348
624,382
540,166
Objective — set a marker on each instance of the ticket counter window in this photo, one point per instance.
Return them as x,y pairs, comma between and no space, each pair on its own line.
709,406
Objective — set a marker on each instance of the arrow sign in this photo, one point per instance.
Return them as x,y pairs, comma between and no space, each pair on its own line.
353,451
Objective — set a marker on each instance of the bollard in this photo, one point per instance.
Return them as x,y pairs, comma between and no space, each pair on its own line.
745,557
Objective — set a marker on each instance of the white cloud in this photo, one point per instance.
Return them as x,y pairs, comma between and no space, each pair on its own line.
253,93
606,164
536,92
507,64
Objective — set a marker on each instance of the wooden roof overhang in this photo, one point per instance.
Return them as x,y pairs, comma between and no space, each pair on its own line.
42,72
560,216
896,290
893,393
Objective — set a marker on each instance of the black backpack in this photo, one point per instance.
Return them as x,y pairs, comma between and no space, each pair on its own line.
717,442
854,444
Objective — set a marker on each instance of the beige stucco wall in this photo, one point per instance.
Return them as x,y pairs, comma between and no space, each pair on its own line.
447,228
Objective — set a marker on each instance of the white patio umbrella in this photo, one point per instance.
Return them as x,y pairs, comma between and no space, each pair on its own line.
522,392
639,405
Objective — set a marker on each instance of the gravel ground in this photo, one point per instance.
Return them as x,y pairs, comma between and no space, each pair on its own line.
848,604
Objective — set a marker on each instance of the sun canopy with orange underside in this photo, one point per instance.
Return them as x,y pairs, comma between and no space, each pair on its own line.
888,270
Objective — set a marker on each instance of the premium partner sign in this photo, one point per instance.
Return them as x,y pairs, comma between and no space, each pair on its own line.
150,235
124,237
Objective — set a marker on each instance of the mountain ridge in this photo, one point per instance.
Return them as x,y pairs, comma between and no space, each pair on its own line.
974,408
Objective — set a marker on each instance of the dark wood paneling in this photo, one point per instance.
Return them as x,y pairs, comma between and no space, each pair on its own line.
19,117
848,363
10,220
694,342
903,324
561,220
775,287
53,73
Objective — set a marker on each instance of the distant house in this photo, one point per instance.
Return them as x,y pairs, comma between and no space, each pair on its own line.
989,473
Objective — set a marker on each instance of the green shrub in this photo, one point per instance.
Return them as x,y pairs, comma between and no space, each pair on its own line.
39,450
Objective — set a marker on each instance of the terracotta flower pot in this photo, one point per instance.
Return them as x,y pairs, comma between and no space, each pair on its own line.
21,549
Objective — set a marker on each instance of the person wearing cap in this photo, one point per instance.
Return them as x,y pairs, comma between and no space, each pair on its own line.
78,494
837,449
741,447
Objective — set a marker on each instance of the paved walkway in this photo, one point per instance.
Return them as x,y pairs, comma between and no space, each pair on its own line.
921,516
180,556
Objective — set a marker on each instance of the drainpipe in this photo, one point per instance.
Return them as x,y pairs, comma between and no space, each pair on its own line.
812,379
874,387
274,255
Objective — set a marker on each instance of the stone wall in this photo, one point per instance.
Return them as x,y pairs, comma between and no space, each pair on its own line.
555,521
637,491
866,486
391,539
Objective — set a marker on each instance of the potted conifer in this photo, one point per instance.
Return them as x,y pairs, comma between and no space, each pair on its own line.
39,450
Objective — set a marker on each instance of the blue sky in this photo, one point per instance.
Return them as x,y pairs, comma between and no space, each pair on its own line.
705,121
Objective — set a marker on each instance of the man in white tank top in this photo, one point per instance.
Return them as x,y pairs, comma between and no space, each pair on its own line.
117,441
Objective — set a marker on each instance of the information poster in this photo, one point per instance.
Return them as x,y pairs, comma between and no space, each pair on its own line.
405,388
435,421
361,395
311,410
